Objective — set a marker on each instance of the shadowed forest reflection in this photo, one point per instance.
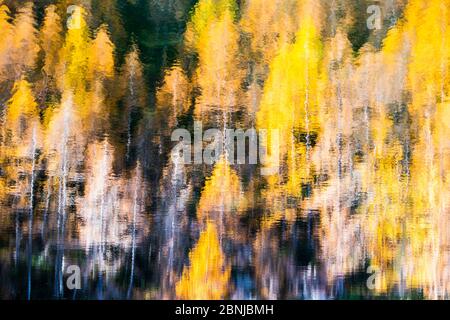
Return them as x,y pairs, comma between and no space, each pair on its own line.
87,111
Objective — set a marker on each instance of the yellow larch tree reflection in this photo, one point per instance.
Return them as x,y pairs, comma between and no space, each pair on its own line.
222,192
174,96
5,39
407,225
100,72
208,275
428,27
292,90
133,94
403,163
213,35
132,80
74,58
21,134
25,45
268,26
51,40
205,13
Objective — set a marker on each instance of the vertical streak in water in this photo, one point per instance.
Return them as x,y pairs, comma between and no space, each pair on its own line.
127,157
33,166
339,138
104,174
133,246
132,96
339,142
442,94
172,211
225,123
306,106
30,218
47,206
62,200
17,231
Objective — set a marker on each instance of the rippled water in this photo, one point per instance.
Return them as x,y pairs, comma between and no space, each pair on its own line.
358,209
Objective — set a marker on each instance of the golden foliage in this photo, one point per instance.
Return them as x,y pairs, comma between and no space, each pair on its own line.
24,44
21,134
290,100
222,192
5,37
205,13
270,24
174,96
101,57
51,40
21,107
218,73
208,275
132,80
74,57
